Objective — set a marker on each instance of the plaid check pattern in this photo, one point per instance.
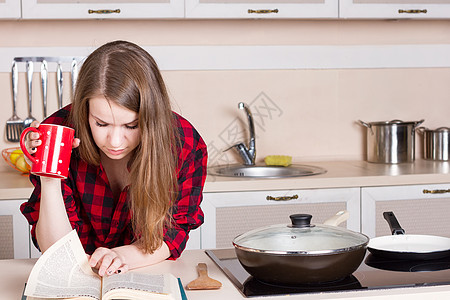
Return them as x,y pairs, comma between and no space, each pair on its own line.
99,221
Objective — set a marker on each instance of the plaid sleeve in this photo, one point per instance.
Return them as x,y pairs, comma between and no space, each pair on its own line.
30,209
187,213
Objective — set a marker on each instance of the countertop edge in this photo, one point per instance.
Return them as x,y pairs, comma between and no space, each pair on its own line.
340,174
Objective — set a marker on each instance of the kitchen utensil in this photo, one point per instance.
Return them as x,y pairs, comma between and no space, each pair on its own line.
301,253
203,282
14,125
391,142
59,84
52,157
74,74
30,118
408,246
436,143
44,79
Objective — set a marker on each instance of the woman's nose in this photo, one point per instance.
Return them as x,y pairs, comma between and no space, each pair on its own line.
116,137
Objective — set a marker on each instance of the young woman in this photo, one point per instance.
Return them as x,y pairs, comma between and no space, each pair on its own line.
137,169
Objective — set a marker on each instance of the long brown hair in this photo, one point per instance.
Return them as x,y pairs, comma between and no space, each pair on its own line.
127,75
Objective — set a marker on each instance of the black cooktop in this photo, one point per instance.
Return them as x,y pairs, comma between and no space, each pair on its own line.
373,273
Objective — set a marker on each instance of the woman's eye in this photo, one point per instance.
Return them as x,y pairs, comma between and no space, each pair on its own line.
132,127
100,124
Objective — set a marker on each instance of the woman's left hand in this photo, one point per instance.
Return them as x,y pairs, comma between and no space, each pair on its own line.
107,261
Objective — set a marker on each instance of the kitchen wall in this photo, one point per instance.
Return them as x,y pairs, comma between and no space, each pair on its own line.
307,113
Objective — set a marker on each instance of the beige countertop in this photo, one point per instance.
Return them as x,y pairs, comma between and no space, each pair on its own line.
13,185
342,174
15,274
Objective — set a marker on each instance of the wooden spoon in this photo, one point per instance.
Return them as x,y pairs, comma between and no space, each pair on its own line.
203,282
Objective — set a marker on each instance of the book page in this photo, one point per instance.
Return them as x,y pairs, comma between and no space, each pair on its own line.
139,285
63,271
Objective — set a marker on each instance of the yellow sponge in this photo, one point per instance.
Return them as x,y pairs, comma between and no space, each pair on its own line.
278,160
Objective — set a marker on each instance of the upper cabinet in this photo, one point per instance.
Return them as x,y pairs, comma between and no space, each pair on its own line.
263,9
9,9
225,9
101,9
394,9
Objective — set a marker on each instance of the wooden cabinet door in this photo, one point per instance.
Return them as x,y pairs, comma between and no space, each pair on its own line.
230,214
394,9
10,9
264,9
420,209
102,9
14,231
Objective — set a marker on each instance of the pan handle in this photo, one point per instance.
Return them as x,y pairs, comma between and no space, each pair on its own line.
338,218
393,223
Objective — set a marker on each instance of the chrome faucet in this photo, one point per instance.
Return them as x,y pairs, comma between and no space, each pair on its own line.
248,155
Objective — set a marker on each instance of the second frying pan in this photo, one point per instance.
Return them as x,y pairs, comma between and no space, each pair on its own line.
408,246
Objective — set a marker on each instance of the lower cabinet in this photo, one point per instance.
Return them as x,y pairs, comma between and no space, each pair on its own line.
420,209
230,214
194,241
14,231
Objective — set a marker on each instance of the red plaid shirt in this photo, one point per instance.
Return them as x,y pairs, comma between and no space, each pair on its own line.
102,223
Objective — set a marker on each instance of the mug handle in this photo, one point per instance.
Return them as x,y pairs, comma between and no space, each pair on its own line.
22,143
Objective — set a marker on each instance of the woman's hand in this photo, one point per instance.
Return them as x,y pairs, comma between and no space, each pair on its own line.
32,141
107,261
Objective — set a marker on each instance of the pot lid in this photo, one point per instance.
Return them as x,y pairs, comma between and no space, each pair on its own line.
440,129
395,122
300,237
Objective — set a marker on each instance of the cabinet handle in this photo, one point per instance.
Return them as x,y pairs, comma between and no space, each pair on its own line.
412,11
104,11
282,198
263,11
436,191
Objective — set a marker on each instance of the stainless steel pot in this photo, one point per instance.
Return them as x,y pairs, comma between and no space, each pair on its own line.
436,143
391,142
300,252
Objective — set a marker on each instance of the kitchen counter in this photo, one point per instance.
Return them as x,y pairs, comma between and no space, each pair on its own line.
342,174
15,273
13,185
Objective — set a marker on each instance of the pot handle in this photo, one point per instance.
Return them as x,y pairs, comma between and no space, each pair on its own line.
396,229
338,218
364,124
421,129
418,123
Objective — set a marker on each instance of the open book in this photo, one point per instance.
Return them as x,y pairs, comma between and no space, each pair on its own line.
63,271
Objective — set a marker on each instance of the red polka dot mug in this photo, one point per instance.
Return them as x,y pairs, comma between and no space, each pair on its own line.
52,157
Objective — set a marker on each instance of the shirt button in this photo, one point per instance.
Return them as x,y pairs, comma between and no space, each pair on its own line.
115,223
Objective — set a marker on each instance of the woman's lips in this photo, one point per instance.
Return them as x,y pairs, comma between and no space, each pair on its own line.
115,152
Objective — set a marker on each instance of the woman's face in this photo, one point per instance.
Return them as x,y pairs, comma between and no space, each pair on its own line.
114,128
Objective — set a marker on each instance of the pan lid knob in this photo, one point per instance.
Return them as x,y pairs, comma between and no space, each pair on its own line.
301,220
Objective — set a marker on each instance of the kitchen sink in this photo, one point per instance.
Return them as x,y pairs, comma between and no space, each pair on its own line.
263,171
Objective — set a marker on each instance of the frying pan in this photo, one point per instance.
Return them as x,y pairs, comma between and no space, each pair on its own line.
408,246
301,252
